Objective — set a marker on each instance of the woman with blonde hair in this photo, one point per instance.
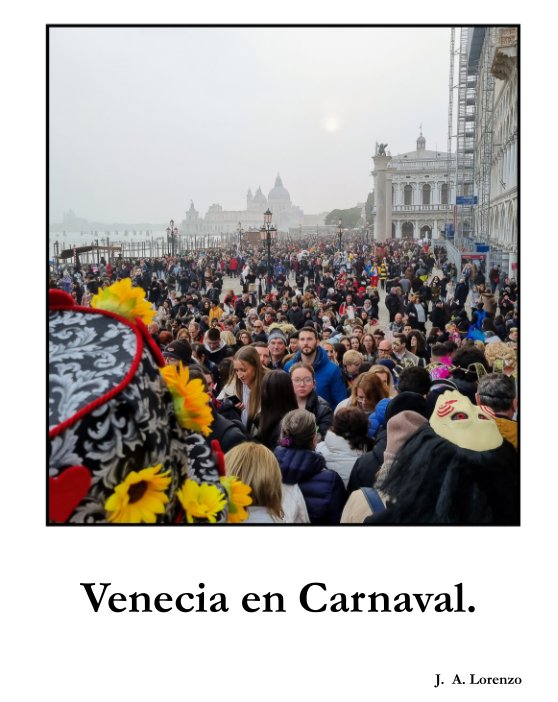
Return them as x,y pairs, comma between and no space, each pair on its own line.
384,373
352,361
272,502
244,388
229,338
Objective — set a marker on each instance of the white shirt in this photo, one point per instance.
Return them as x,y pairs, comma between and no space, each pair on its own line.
294,508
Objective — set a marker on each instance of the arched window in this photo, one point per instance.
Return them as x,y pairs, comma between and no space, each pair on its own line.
408,195
445,194
426,194
407,230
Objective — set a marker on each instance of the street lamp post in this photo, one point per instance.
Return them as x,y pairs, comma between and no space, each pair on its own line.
172,231
267,233
340,231
240,233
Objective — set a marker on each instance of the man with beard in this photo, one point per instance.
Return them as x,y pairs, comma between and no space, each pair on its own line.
328,376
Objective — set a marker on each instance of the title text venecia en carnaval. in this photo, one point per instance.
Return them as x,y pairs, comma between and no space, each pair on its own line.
312,597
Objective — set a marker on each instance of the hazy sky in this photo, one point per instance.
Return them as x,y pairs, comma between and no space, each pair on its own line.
144,119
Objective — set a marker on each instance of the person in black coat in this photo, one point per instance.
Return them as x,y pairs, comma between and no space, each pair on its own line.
461,292
296,316
394,303
439,315
229,432
367,466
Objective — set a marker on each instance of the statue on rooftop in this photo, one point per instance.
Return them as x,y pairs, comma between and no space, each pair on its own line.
382,149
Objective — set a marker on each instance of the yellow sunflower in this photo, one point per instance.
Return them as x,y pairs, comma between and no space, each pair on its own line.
201,502
239,498
125,300
140,497
191,402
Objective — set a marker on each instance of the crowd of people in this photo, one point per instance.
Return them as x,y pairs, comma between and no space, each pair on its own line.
374,385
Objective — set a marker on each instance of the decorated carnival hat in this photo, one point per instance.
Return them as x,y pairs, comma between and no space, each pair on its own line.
501,356
458,420
126,432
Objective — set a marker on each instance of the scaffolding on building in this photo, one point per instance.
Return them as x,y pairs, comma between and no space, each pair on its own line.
465,137
484,136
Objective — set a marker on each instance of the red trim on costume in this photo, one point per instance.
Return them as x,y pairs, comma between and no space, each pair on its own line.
60,297
218,456
118,388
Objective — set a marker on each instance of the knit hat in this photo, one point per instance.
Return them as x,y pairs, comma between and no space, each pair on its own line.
406,401
400,428
458,420
276,334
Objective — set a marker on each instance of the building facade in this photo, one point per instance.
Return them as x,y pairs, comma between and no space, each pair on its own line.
493,52
487,146
413,193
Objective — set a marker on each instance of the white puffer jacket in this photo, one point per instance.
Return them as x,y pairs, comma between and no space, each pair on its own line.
338,454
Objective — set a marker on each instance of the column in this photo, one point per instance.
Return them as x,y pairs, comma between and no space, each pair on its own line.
398,229
389,200
379,173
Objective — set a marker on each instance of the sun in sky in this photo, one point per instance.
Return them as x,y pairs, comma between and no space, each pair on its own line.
331,123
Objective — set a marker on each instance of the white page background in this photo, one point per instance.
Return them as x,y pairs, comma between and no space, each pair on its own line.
57,648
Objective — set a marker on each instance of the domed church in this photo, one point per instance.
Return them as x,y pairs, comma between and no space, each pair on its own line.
220,221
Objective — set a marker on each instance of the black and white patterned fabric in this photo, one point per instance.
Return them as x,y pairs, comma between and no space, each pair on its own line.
90,354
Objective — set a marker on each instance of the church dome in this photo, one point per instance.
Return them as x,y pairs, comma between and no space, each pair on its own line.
278,192
259,197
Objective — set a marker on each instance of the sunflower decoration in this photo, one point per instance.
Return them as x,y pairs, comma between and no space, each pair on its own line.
191,401
202,503
126,301
140,497
239,497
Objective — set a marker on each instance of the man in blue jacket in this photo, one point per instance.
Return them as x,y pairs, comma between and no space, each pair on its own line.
329,381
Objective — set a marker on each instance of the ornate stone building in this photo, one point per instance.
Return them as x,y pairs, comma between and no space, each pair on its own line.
220,221
496,143
413,194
